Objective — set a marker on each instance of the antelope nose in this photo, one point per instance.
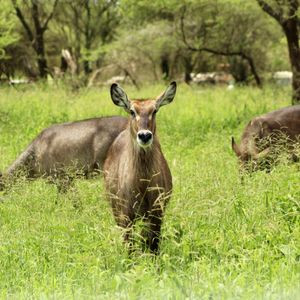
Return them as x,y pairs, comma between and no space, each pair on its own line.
145,136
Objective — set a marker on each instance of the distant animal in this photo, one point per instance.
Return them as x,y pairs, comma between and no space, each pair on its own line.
137,177
75,147
212,78
267,134
283,77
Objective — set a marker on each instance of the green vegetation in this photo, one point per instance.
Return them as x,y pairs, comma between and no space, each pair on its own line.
149,41
221,239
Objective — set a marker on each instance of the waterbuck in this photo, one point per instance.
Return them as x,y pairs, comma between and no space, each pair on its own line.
76,147
137,177
266,135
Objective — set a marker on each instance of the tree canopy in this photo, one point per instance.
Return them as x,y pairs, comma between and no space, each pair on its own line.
145,40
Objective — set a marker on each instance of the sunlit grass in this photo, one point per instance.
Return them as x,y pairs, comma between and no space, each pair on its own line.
220,239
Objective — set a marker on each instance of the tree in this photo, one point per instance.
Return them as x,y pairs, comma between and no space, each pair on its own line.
285,13
8,37
86,27
207,33
230,29
149,40
36,14
150,47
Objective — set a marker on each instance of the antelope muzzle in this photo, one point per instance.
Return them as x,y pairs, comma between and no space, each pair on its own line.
144,138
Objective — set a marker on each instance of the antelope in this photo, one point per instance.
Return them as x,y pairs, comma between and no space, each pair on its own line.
137,177
77,147
264,134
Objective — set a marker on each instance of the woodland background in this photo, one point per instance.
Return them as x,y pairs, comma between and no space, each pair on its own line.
149,41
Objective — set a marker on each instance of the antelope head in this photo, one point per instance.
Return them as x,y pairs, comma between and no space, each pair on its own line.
142,120
250,159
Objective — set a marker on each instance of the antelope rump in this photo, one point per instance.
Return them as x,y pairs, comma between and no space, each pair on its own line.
63,149
266,134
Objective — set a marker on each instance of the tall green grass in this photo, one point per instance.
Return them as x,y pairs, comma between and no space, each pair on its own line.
221,239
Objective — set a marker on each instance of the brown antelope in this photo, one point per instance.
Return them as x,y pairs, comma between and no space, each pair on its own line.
137,177
77,147
264,134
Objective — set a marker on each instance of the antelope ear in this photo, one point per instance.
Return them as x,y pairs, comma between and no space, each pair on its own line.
119,97
168,96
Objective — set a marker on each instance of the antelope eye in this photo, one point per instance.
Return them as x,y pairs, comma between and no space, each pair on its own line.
132,113
154,112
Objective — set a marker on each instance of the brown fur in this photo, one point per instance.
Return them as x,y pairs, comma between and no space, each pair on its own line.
79,147
138,180
263,133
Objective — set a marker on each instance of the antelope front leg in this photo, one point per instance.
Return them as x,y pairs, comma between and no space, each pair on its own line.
124,218
154,232
151,233
126,223
154,218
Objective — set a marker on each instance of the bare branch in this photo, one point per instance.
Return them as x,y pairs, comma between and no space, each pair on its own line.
76,14
270,11
35,16
294,5
88,21
23,21
151,59
101,12
182,30
192,48
127,73
105,8
45,26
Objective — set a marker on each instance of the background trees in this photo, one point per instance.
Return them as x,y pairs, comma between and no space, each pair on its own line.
237,34
86,26
150,40
8,37
7,26
34,18
286,14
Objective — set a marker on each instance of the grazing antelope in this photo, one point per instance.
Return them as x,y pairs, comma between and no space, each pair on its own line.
264,134
77,147
137,177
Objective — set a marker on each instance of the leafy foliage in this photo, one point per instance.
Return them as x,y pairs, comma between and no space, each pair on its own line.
156,37
7,26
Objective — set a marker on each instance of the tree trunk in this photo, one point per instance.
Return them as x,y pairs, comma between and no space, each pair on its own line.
188,68
40,51
77,46
86,63
88,43
88,37
291,33
164,65
86,67
39,45
253,70
289,25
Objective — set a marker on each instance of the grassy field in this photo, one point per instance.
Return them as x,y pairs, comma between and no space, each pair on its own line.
221,239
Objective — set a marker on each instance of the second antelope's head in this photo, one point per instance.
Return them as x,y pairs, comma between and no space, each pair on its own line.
143,112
